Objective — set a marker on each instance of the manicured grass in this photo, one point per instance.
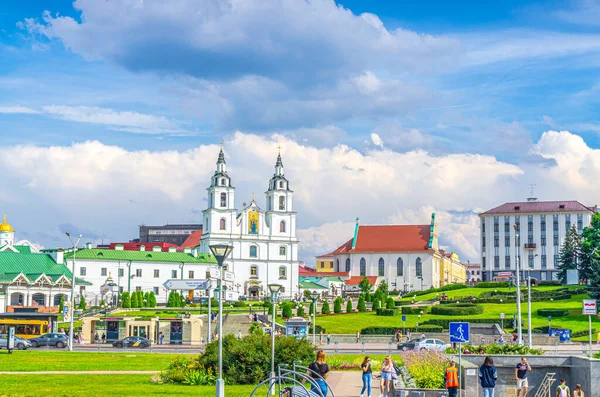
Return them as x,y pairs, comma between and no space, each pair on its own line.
475,292
105,385
350,323
39,360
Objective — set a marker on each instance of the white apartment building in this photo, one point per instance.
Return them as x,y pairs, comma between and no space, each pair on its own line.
541,227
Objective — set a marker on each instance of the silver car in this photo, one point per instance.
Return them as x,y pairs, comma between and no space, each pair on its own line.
20,343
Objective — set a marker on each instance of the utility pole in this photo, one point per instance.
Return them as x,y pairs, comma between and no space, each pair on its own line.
518,279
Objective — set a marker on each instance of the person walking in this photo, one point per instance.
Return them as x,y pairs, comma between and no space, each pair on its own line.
319,370
103,338
578,392
407,335
240,334
96,337
521,376
487,376
598,338
399,336
563,390
386,375
367,376
328,337
451,378
321,337
357,336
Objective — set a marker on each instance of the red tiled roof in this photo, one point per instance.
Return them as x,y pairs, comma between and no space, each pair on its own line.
539,206
164,247
329,255
313,273
392,238
193,240
355,280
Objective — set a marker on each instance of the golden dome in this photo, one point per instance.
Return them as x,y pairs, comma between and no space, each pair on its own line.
5,227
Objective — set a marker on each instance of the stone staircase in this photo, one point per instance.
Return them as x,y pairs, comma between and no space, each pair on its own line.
233,324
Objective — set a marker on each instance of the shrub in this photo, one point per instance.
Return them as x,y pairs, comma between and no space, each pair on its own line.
389,303
552,312
508,323
337,305
521,350
582,333
378,331
448,287
548,283
248,360
461,309
286,309
492,284
82,303
387,312
426,367
402,303
349,306
430,328
300,310
325,308
362,306
125,300
414,309
318,328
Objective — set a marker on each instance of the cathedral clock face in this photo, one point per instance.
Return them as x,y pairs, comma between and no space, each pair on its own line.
253,222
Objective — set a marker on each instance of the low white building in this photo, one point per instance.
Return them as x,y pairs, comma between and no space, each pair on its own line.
143,270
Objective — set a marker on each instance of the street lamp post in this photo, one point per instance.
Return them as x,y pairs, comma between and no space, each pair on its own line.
220,251
314,296
518,282
72,308
274,289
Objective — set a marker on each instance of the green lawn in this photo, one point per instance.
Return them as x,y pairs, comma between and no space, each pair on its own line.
350,323
472,291
105,385
37,360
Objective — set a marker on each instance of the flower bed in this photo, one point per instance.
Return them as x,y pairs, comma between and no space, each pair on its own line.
427,368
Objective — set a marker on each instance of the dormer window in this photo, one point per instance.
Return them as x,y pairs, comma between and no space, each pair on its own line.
223,182
517,207
281,184
561,206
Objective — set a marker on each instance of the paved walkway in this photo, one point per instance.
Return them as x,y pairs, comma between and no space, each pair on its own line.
347,384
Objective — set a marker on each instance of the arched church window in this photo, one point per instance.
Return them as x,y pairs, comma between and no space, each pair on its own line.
222,224
222,181
253,251
381,267
419,268
281,184
282,227
337,265
363,267
400,267
282,272
281,203
223,199
348,265
282,251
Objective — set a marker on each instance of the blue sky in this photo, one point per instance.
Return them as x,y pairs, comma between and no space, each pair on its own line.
448,79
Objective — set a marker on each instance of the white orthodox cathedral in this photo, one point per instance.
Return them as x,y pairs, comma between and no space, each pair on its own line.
265,246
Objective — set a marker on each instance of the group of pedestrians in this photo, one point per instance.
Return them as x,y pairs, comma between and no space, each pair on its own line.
389,373
488,375
98,338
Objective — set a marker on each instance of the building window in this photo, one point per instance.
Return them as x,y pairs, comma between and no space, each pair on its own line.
363,267
543,240
483,263
496,241
155,290
222,224
156,273
483,243
282,252
419,267
82,271
282,227
544,264
254,271
282,203
337,265
225,268
191,274
579,223
331,265
530,260
400,267
322,265
120,290
173,273
348,265
103,272
282,272
555,261
555,223
496,262
506,225
543,276
381,267
530,240
555,241
496,226
281,184
543,225
567,222
138,288
530,226
253,251
507,241
138,272
507,262
121,272
223,199
482,226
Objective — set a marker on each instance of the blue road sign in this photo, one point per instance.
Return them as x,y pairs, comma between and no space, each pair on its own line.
459,332
403,318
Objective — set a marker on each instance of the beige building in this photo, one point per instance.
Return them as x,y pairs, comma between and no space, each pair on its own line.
451,270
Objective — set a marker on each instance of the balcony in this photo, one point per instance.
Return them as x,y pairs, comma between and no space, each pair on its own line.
530,246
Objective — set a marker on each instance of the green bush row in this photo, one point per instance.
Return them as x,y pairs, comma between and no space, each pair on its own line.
462,309
448,287
583,333
387,312
552,312
378,331
414,310
508,323
492,284
430,328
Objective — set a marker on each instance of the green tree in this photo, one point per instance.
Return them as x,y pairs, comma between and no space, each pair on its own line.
300,310
125,300
134,300
349,306
286,309
151,299
255,330
306,294
389,303
365,286
383,289
82,304
61,304
170,299
337,305
325,308
594,277
361,307
570,253
590,244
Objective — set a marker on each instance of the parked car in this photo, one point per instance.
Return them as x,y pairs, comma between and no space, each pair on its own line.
20,343
58,340
133,341
423,344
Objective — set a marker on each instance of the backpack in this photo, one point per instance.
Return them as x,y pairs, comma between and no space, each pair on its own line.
562,391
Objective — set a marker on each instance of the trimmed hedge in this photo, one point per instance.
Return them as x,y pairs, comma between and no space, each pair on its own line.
414,310
448,287
508,323
378,331
492,284
430,328
402,303
388,312
548,283
461,309
582,333
552,312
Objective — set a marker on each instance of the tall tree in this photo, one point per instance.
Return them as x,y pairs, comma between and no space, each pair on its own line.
365,286
590,247
570,253
383,289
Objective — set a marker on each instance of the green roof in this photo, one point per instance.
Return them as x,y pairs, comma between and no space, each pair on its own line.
334,279
141,256
32,266
310,285
24,249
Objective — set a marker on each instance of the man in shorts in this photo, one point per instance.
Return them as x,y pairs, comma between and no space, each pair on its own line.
521,375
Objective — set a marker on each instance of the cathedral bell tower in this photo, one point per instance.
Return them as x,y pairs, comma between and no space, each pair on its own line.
219,217
279,195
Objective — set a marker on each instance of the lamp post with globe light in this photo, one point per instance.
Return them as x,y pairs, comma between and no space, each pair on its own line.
72,305
220,251
274,289
314,296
